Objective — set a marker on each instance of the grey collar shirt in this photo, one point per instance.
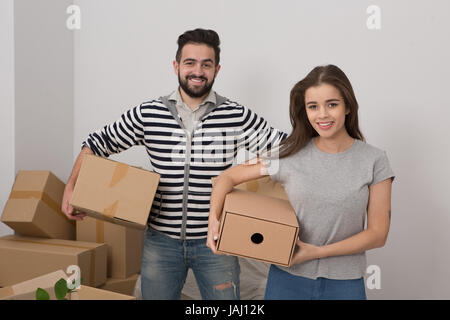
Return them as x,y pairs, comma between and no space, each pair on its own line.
190,118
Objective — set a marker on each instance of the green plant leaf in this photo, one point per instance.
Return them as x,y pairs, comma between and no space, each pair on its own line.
41,294
61,289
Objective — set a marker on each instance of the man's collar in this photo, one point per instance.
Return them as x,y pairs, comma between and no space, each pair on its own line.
176,96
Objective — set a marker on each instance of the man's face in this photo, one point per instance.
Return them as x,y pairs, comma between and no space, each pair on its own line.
196,70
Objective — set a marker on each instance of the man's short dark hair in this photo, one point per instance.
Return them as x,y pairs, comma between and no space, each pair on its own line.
200,36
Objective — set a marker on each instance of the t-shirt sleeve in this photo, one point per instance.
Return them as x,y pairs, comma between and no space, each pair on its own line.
273,168
382,170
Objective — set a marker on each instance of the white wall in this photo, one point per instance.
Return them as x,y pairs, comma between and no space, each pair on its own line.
6,104
44,86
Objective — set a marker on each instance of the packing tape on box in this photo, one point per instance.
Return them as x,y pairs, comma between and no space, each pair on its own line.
252,186
91,250
15,194
120,171
110,211
100,231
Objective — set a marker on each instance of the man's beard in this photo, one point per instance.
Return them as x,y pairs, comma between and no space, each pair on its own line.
195,93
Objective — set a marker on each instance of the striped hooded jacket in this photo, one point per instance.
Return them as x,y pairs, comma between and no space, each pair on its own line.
186,163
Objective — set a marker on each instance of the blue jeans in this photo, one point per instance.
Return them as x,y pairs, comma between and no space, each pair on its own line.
165,263
282,285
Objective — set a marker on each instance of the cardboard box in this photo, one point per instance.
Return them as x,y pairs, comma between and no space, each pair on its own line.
27,290
123,286
89,293
24,258
114,192
34,207
258,226
124,245
30,286
83,293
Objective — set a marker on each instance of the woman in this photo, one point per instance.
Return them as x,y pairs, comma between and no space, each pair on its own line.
333,179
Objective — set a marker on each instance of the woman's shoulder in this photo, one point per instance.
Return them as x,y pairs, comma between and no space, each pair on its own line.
369,150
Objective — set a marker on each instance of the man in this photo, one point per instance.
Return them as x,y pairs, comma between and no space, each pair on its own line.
190,136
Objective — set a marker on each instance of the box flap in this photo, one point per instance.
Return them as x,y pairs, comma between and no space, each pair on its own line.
261,207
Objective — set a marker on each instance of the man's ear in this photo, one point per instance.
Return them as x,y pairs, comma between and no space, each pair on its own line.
175,67
217,70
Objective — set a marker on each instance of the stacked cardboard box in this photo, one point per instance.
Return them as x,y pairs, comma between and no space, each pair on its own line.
34,206
106,190
124,251
25,258
119,197
124,245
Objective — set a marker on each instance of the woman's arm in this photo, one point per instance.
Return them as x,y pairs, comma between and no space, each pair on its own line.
374,236
223,184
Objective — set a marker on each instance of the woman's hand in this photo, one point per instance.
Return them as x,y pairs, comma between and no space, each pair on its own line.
224,184
305,252
213,233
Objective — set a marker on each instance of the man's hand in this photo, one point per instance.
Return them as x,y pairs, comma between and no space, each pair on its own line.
68,190
67,208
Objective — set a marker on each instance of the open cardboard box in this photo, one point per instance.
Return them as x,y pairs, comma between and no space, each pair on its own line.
261,226
114,191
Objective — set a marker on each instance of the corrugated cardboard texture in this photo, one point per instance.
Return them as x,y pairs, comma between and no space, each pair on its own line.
24,258
114,192
34,206
124,245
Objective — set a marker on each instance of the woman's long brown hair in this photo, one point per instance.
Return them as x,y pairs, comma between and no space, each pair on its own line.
302,131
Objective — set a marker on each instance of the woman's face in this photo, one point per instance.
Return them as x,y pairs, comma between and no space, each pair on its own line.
326,110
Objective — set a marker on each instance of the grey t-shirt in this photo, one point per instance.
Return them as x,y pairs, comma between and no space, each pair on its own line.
329,193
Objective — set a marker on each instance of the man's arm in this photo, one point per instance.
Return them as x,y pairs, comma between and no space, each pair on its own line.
68,190
122,134
125,132
258,136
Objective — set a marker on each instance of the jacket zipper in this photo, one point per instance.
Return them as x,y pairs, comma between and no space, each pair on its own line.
187,165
